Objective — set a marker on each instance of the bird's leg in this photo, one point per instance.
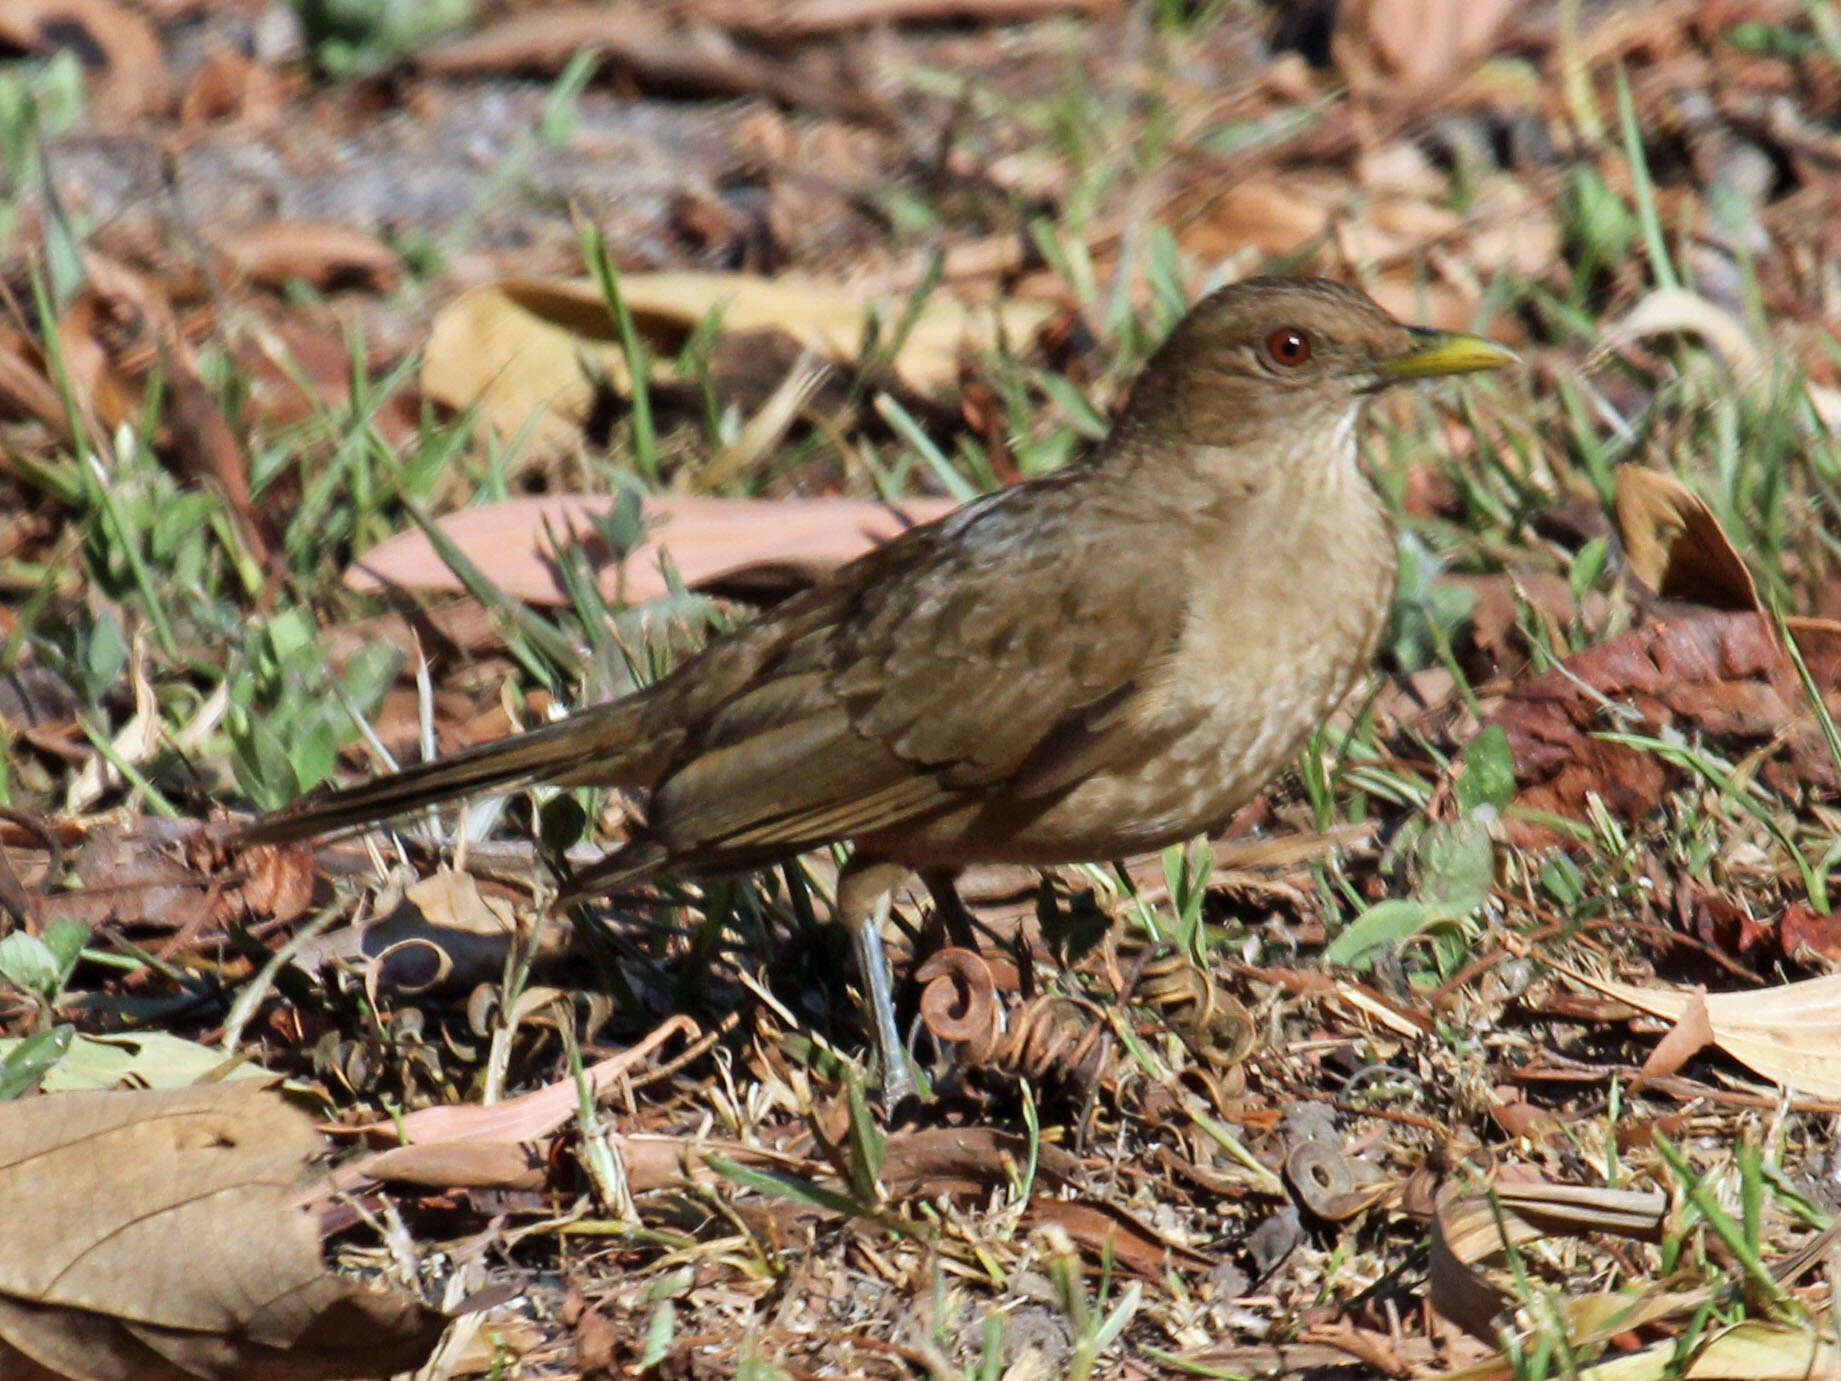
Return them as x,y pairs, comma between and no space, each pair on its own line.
865,891
941,884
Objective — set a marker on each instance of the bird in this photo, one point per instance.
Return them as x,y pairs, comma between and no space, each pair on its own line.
1086,666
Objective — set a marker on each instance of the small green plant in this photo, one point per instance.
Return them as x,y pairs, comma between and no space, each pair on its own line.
40,965
1453,866
1095,1327
355,38
285,729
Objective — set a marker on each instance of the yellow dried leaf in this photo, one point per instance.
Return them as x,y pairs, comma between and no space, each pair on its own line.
527,351
1790,1034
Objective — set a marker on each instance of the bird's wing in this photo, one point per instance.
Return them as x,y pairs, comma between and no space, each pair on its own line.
985,648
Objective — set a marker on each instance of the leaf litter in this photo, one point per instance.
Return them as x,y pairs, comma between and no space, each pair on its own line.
1494,1040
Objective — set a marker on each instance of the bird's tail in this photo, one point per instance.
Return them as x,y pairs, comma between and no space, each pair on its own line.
604,745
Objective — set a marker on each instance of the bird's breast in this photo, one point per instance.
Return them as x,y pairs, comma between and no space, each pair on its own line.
1273,640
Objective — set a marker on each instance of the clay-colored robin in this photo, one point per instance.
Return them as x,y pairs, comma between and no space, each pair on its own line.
1084,667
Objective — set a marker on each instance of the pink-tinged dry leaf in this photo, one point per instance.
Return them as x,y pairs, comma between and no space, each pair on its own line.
1790,1034
709,542
155,1234
317,253
1417,43
526,352
528,1118
1675,545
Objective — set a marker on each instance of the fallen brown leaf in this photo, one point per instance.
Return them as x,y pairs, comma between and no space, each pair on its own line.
229,86
643,44
1471,1225
132,82
318,253
1802,933
1723,675
1675,545
795,19
1691,1033
156,1234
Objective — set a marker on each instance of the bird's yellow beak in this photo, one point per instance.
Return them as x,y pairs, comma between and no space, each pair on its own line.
1436,353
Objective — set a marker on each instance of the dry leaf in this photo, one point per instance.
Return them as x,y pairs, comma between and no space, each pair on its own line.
317,253
229,86
645,46
1675,545
1691,1034
1790,1034
156,1234
1681,311
1278,215
1469,1228
526,351
1756,1350
779,19
527,1118
132,83
1678,311
26,389
1416,43
1723,675
709,541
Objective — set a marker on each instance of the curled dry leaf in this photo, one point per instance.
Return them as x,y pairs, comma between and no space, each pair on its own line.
1790,1034
710,542
1675,545
443,937
1681,311
526,351
318,253
156,1234
1471,1225
132,80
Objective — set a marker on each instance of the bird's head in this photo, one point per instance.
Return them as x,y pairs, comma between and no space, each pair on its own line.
1286,362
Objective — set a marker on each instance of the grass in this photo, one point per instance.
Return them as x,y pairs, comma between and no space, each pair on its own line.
152,588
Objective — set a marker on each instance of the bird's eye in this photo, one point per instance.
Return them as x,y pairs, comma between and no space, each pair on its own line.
1288,347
